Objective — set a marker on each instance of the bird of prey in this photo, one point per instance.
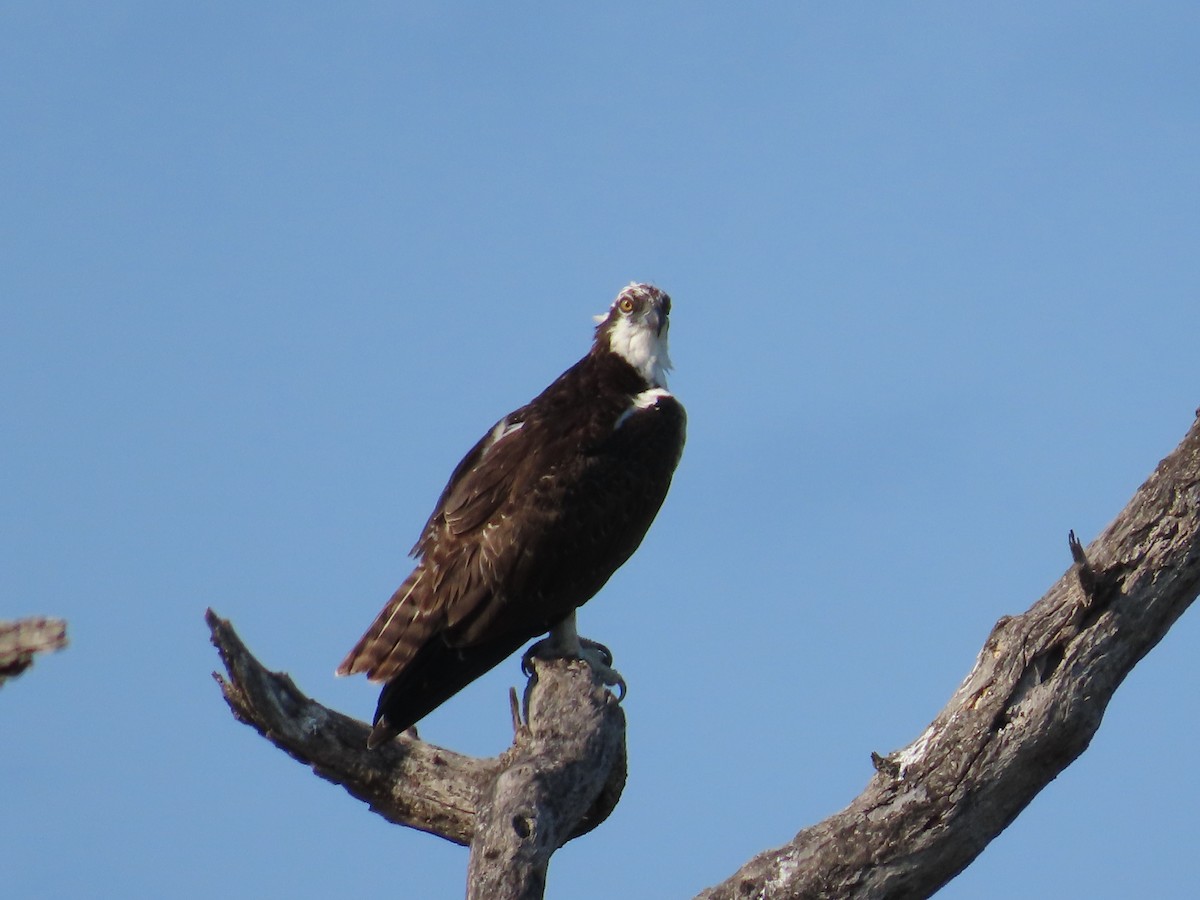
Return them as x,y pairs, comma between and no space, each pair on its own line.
535,519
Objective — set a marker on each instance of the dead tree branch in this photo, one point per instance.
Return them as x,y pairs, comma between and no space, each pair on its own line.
561,778
1026,710
23,639
559,764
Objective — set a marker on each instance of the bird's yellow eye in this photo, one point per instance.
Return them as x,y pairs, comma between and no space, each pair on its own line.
625,305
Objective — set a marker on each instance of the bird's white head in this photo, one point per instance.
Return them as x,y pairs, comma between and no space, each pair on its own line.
635,328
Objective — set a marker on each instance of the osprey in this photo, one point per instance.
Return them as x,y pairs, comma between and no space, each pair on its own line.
535,519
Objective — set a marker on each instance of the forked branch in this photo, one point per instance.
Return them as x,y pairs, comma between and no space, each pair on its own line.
561,778
1028,708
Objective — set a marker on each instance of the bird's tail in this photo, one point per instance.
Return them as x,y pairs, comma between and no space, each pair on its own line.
435,674
397,633
420,668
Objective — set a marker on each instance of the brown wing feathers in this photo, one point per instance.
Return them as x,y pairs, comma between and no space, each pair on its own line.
446,584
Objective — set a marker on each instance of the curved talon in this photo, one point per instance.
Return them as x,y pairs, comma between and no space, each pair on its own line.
620,686
605,653
595,654
528,656
595,657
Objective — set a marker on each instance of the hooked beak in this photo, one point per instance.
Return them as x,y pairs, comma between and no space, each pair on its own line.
659,320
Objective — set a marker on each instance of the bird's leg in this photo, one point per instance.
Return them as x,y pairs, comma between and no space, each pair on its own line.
564,642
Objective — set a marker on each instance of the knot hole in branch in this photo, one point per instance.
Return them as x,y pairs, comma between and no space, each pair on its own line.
523,825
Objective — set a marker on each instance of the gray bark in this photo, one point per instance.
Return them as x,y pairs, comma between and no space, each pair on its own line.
1026,710
561,762
23,639
561,778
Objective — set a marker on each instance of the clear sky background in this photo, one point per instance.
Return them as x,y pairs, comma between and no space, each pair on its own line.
268,270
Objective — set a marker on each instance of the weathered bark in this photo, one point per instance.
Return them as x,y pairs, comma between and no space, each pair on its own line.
560,779
559,765
1026,710
23,639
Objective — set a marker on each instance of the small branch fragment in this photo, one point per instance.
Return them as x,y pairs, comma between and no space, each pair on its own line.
1101,585
1088,579
514,709
885,765
23,639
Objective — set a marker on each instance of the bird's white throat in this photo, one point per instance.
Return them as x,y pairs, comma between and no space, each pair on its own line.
642,348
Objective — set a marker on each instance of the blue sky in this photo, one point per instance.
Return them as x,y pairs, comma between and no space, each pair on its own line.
267,271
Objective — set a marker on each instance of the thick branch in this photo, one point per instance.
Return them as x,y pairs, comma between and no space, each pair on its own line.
23,639
1026,710
564,772
571,753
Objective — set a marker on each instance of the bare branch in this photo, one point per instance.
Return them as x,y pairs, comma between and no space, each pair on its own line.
408,782
1026,710
561,778
23,639
566,767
